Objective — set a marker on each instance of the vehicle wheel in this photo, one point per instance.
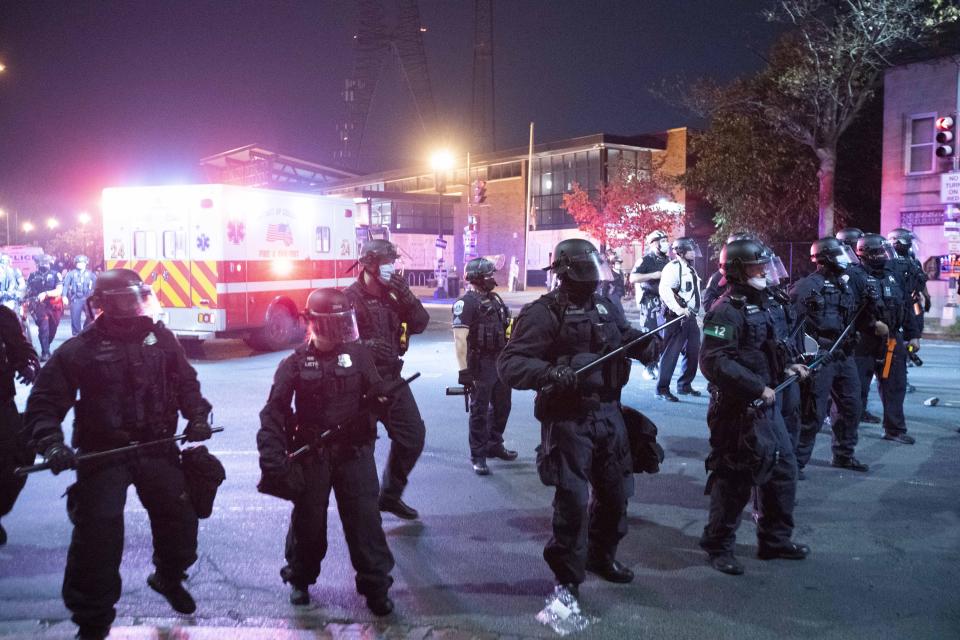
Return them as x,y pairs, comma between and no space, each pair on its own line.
277,333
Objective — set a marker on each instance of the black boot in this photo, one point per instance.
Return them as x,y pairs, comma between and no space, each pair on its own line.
611,572
480,466
502,453
92,632
793,551
174,591
299,596
397,507
726,563
3,535
380,605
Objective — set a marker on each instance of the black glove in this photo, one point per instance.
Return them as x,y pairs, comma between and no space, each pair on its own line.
401,291
28,372
381,350
562,377
926,303
198,429
60,457
465,377
379,396
591,380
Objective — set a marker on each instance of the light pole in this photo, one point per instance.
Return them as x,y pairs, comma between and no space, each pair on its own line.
83,218
6,218
441,162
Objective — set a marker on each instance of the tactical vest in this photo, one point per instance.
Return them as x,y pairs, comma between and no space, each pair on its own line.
831,307
377,320
781,315
488,331
758,343
40,282
590,330
128,391
328,394
81,284
890,296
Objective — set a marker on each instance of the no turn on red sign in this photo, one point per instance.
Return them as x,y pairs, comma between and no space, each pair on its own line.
950,187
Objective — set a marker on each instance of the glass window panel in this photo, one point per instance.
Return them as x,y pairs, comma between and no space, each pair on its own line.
322,239
921,131
170,244
921,159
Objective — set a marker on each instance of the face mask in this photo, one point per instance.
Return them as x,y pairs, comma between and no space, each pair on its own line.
758,282
386,270
82,266
663,247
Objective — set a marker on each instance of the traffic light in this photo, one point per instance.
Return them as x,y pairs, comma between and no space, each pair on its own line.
946,136
480,191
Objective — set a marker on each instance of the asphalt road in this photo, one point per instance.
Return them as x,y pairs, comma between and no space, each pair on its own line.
885,561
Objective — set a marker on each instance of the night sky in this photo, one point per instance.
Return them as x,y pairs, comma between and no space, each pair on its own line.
111,93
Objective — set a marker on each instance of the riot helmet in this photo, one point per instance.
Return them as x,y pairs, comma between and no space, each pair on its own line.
832,254
903,240
380,257
81,261
681,246
479,272
874,250
579,261
743,261
657,242
331,316
121,293
44,262
849,236
741,235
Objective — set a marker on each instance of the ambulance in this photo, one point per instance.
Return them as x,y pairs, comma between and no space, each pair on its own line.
231,261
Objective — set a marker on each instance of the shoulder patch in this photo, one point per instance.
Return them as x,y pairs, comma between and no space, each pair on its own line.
602,310
718,330
458,307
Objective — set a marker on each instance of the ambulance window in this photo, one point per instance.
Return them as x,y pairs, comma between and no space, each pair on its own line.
323,239
144,244
170,244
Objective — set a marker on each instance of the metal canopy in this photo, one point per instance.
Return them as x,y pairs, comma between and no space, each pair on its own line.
254,166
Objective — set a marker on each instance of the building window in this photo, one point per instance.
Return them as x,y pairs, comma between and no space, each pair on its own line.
322,240
921,146
416,217
144,244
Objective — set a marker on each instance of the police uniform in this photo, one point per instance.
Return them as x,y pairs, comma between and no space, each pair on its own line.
785,327
16,355
77,287
748,446
649,302
379,318
313,392
679,290
713,289
47,312
583,438
486,318
895,309
828,304
132,378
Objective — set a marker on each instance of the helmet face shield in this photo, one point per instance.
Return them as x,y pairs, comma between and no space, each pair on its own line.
681,249
127,302
775,271
339,327
589,267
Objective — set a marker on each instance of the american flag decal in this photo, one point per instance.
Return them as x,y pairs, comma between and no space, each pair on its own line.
281,233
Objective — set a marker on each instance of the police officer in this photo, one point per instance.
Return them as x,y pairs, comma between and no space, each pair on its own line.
888,351
748,447
387,314
905,245
716,283
646,278
583,437
77,286
680,293
11,283
132,378
827,303
44,287
330,384
616,288
17,357
480,324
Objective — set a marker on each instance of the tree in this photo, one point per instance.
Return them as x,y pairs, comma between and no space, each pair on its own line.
757,182
77,240
822,73
625,209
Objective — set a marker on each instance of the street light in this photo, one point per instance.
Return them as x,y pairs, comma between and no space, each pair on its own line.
6,219
52,223
83,217
27,227
441,162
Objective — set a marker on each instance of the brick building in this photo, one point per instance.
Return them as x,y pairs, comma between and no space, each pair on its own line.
407,202
915,95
